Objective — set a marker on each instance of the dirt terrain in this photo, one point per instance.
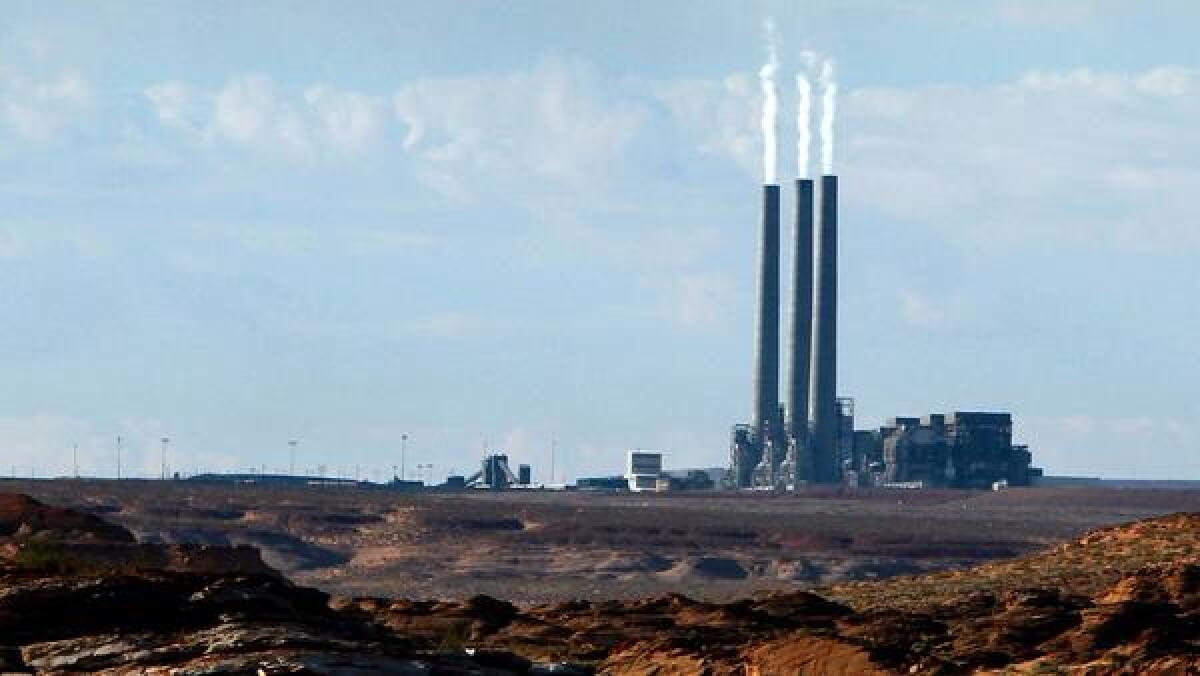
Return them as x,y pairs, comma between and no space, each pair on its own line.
78,594
1122,600
537,547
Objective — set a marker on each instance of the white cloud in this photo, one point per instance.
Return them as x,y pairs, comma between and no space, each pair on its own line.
1161,81
553,125
1134,446
919,310
1059,12
13,243
39,110
1082,156
1167,81
43,444
348,120
22,241
941,312
177,105
252,113
722,116
697,299
523,444
446,325
1087,157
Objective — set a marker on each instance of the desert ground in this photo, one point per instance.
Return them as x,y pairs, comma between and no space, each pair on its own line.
539,547
100,590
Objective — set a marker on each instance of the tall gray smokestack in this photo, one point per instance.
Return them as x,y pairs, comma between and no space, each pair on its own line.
766,347
823,393
800,339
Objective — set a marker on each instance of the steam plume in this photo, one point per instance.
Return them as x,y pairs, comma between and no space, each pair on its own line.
803,114
828,96
770,110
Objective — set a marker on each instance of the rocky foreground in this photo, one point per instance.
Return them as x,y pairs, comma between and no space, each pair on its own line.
79,595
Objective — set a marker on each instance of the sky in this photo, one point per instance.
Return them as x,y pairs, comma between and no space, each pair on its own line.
531,224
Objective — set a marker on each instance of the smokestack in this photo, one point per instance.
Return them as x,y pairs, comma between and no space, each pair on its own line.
766,352
800,343
823,392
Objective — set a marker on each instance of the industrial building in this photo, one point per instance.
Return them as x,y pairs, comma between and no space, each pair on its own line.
810,437
961,450
602,484
495,474
644,473
643,469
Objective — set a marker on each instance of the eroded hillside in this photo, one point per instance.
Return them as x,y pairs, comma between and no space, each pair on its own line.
535,547
1119,600
78,594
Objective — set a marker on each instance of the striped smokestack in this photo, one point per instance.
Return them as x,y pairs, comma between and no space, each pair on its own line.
766,351
823,391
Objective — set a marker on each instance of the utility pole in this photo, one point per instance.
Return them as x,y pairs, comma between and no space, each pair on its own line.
118,458
163,458
75,459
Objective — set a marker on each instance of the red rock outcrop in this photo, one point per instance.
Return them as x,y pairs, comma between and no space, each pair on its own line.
1093,606
21,515
1147,621
78,596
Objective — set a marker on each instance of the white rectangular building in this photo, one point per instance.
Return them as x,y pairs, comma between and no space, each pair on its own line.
643,470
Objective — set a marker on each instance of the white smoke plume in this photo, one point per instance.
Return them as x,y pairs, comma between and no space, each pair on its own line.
770,109
828,98
804,113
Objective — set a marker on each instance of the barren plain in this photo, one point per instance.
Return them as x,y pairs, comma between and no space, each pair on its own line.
540,547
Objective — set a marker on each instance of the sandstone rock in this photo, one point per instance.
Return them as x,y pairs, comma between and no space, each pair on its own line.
21,515
214,611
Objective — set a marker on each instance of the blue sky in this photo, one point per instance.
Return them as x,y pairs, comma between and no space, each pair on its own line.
234,224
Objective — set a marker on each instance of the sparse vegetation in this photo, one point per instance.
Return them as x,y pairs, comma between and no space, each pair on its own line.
455,638
1112,599
43,556
533,546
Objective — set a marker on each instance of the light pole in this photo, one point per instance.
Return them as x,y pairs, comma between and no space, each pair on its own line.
163,458
403,451
292,457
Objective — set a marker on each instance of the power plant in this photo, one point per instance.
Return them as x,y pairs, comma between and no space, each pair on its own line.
810,438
